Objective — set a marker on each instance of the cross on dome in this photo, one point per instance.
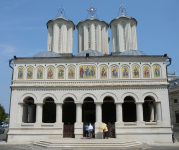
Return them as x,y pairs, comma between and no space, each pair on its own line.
122,8
61,9
91,10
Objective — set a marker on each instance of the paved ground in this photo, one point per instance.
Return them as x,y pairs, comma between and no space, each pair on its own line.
149,146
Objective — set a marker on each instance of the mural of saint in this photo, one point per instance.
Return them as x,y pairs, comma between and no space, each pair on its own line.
50,73
60,73
125,72
29,73
103,72
156,71
20,73
71,73
114,72
135,70
146,72
40,73
86,72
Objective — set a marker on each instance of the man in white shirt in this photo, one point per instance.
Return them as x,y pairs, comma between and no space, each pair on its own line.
90,130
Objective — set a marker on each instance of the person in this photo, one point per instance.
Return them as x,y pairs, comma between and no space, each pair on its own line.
105,132
90,130
86,129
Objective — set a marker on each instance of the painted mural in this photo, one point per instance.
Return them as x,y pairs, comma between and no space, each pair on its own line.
71,73
146,72
40,73
87,72
30,73
156,71
60,73
125,72
114,72
50,73
135,70
103,72
20,73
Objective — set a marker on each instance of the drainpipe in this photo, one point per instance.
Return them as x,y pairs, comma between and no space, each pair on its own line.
10,61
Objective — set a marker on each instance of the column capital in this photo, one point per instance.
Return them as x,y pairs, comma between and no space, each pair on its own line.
139,102
118,102
78,103
98,102
57,103
39,103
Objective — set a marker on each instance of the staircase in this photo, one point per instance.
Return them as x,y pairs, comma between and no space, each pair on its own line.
86,143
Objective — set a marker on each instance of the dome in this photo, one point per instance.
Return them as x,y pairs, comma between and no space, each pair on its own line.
132,52
47,54
91,53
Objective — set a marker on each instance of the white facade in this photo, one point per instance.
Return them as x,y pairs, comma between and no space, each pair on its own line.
93,35
60,35
123,32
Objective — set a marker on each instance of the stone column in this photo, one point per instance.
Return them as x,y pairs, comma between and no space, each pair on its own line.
32,113
119,119
134,37
85,29
55,38
69,39
79,39
59,123
107,43
20,110
139,113
39,111
50,34
151,113
92,37
79,124
120,34
99,38
158,111
64,38
98,133
113,32
128,37
25,113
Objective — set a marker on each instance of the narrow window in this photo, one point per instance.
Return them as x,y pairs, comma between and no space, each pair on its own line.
175,100
177,116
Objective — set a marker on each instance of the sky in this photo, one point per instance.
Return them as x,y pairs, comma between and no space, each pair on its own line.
23,30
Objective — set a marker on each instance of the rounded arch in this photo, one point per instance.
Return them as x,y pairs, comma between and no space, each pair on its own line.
134,96
109,94
48,95
68,95
150,94
88,95
27,95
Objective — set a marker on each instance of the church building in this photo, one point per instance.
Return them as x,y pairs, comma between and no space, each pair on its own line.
55,93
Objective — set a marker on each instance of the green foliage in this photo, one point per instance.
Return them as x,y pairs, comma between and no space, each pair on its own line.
2,114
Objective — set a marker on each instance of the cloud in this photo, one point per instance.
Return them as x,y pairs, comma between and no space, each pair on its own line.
7,49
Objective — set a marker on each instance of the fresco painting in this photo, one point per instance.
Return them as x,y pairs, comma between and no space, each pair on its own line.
103,72
71,73
50,73
125,72
87,72
156,71
60,73
40,73
135,70
114,72
146,72
30,73
20,73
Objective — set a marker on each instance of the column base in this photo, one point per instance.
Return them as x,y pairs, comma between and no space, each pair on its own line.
159,122
38,124
140,123
78,130
119,124
98,133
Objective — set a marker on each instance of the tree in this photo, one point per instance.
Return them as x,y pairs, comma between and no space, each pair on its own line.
2,114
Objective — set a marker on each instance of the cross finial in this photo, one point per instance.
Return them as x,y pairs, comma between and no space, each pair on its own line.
61,10
122,7
91,10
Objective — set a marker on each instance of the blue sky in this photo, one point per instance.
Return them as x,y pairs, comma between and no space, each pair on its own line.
23,29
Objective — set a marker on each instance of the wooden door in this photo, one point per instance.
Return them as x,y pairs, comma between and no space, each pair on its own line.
68,131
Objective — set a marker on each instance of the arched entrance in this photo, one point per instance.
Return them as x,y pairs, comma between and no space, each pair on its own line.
49,111
148,109
129,109
29,111
109,115
88,114
69,117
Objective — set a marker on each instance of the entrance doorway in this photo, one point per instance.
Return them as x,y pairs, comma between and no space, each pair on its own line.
88,114
109,115
69,117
